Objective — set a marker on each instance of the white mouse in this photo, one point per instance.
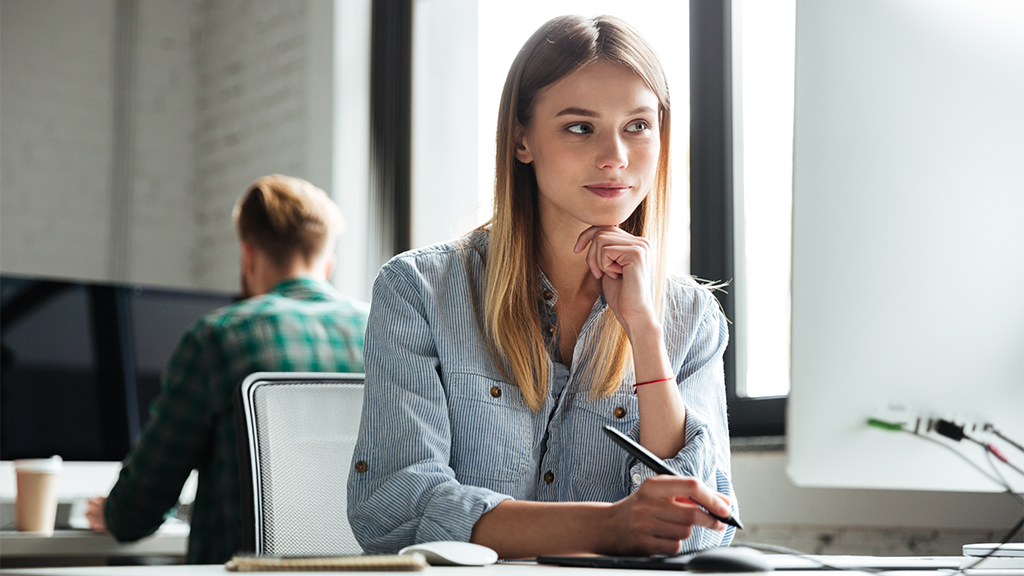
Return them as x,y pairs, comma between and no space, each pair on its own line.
448,553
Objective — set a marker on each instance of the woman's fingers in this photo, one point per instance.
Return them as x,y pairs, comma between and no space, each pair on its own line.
685,498
688,488
586,237
611,249
663,512
613,259
619,260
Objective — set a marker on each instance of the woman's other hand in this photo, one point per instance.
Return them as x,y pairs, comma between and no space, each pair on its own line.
619,260
661,514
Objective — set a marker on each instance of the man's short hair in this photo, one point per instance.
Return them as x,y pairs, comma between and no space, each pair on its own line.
287,217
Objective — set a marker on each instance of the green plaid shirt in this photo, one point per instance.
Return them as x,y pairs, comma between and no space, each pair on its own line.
300,325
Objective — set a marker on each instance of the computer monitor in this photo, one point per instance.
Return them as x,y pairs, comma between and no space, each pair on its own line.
908,241
81,361
159,318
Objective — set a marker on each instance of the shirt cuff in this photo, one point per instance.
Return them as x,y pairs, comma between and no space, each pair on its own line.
688,461
452,516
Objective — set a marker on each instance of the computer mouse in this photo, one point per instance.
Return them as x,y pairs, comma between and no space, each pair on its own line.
728,559
448,553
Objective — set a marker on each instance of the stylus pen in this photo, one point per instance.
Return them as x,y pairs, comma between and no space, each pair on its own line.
658,465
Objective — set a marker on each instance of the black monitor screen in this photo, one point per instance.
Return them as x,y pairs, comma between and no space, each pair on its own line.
50,391
159,318
81,362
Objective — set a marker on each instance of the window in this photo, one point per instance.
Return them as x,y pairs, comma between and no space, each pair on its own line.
764,43
723,227
737,160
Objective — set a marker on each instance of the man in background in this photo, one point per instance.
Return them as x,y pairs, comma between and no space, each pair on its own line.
291,319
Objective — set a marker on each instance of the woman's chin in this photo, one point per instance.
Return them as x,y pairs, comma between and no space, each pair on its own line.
607,220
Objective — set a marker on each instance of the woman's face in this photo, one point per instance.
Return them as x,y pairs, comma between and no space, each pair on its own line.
594,143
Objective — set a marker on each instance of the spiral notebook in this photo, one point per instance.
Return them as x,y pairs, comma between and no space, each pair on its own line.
381,563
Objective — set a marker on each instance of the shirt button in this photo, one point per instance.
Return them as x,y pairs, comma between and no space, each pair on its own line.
552,329
361,466
636,479
549,477
548,294
619,412
495,391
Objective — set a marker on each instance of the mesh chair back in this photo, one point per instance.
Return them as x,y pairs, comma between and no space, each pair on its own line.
301,430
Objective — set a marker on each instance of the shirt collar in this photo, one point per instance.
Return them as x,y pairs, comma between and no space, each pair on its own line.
549,295
303,287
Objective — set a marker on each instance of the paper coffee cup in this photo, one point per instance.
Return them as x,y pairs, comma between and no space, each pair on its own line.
35,505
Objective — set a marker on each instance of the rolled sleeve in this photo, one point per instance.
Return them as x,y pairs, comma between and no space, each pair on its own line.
402,489
693,461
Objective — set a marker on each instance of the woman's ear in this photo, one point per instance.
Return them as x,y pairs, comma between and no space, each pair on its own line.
523,153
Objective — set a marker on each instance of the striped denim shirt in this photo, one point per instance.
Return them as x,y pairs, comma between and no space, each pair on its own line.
444,438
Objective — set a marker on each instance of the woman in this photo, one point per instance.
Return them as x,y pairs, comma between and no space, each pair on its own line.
493,362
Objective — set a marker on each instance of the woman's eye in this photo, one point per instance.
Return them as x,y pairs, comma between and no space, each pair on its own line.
638,126
579,128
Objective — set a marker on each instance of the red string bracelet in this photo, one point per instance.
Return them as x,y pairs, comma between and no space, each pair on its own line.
635,386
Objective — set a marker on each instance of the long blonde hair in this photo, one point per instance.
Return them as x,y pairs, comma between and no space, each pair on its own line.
511,309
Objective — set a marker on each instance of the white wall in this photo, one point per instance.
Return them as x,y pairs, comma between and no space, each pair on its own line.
164,226
222,92
56,109
255,63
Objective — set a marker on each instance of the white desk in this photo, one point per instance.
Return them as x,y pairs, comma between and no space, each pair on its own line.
170,540
496,570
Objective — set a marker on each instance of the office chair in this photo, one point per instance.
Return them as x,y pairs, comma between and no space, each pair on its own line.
296,434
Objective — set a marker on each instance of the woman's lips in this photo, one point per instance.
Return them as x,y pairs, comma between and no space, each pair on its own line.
608,190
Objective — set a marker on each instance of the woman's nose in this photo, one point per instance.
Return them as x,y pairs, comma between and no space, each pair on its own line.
612,153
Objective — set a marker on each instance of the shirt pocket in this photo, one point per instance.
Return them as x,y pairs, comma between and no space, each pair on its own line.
492,435
604,468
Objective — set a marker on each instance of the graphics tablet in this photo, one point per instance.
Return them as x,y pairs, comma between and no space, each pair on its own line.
717,560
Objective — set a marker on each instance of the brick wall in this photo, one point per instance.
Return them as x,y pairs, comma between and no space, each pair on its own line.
55,147
253,62
164,195
221,92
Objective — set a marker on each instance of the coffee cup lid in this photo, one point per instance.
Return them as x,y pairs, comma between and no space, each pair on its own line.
51,464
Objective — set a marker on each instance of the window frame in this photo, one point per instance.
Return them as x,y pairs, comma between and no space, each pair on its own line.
390,198
712,230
